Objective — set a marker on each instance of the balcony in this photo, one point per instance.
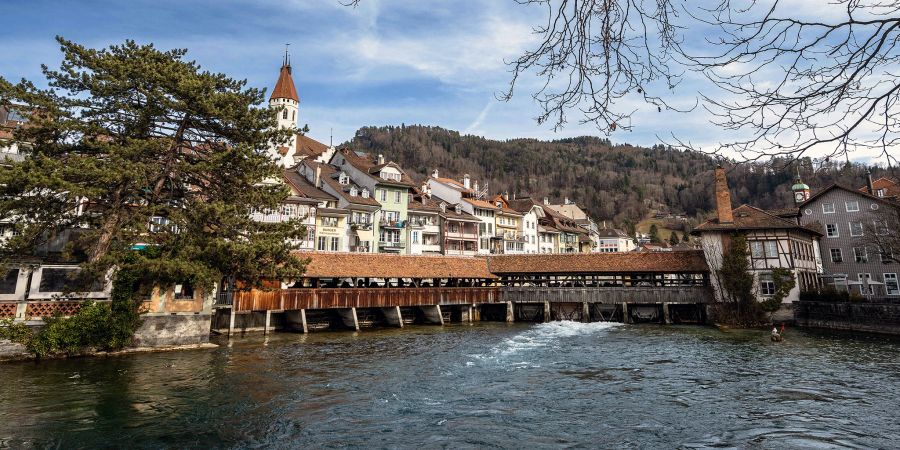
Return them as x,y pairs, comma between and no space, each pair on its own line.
365,226
386,223
462,235
360,249
391,245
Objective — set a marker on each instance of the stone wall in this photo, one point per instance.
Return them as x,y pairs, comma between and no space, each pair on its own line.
855,316
11,350
171,330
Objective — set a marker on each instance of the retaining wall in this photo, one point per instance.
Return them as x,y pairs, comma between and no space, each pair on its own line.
855,316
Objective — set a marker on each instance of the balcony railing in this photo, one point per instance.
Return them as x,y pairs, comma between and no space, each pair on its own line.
386,223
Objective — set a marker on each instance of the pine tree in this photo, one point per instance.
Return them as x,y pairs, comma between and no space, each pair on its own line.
654,234
673,239
133,134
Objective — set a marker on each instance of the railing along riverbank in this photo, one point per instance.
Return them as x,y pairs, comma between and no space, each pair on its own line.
329,298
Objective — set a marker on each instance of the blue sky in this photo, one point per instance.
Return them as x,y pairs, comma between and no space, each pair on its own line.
384,63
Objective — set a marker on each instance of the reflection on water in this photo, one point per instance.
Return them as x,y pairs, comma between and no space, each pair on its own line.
545,385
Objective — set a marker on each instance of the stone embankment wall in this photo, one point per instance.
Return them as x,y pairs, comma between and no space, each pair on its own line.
854,316
173,330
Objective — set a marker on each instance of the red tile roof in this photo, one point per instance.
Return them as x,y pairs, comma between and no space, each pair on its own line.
891,187
655,262
309,147
284,87
382,265
365,163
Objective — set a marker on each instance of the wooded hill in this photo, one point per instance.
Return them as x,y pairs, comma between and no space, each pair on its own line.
616,182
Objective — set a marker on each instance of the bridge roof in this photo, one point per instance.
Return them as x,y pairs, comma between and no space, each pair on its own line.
600,263
383,265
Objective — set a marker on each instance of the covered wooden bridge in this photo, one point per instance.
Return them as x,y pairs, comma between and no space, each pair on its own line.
350,290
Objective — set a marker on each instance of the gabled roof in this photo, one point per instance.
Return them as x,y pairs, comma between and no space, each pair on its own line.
655,262
481,204
505,207
612,233
450,212
330,174
364,163
309,147
284,87
383,265
454,184
891,187
847,189
748,217
304,187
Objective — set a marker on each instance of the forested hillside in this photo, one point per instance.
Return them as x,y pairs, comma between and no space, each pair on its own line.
618,182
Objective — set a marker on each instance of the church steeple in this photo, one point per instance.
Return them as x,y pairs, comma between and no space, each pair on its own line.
286,103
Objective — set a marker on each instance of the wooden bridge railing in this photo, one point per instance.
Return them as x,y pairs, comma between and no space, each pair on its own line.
609,295
324,298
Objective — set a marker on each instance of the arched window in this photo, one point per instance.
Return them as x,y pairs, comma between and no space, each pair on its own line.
284,114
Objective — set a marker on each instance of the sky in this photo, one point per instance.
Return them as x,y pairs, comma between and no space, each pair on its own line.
385,62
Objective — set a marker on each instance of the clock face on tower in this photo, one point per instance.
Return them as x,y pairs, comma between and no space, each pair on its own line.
799,197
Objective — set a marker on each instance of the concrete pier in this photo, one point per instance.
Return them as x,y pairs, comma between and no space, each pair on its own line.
392,316
296,320
349,319
433,315
547,313
626,316
510,312
585,312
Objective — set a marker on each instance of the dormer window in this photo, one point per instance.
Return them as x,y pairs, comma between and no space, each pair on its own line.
879,192
343,178
365,193
499,204
390,176
353,191
458,209
443,207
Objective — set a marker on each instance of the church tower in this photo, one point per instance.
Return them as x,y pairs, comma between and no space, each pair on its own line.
800,190
284,98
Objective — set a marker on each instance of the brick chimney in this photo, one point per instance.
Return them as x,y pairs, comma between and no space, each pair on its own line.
869,183
723,197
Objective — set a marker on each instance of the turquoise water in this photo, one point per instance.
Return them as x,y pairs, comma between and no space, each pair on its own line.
553,385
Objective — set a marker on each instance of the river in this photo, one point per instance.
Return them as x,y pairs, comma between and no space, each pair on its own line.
560,384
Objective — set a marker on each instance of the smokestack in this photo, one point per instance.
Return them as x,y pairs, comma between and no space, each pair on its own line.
723,197
565,200
467,181
380,159
434,173
318,175
869,183
546,200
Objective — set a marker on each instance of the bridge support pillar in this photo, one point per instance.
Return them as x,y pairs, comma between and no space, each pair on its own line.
547,314
268,325
510,313
585,312
231,322
474,313
348,317
296,320
665,310
433,314
626,315
392,316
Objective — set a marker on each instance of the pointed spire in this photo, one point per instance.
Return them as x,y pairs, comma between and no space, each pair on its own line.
284,87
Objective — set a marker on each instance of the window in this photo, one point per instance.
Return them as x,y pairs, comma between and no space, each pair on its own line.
766,285
881,228
354,192
335,244
329,221
365,193
320,243
836,255
343,179
158,224
880,193
415,237
887,255
852,206
828,208
891,284
9,282
397,197
859,255
383,194
284,114
831,230
771,249
184,291
865,287
856,229
756,249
